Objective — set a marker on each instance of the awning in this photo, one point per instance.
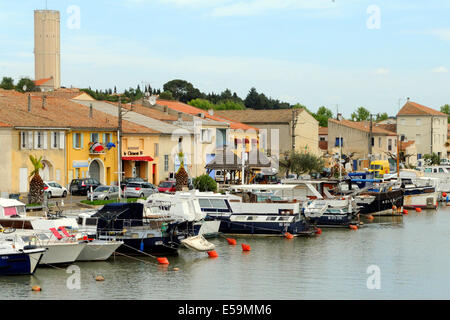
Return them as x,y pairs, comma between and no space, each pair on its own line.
144,158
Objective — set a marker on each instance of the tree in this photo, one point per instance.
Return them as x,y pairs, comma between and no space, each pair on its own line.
36,183
7,83
182,90
300,163
252,99
166,95
27,83
431,159
381,116
202,104
230,105
181,176
322,115
361,114
446,109
205,183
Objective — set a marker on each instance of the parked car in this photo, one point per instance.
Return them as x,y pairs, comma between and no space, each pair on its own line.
104,193
53,189
125,181
167,186
82,186
139,189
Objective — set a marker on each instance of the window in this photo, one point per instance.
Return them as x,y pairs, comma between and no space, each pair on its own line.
26,140
336,144
204,203
418,122
106,137
54,140
379,142
218,203
156,149
40,140
389,144
166,162
373,141
94,137
77,140
205,136
323,139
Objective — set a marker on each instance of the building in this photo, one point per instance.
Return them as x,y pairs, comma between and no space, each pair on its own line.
47,56
280,130
358,143
426,126
323,139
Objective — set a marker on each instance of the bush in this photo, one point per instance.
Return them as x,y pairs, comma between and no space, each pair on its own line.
205,183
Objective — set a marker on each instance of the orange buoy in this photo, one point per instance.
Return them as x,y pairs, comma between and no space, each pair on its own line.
245,247
176,269
287,235
418,209
444,194
36,288
231,241
370,217
353,227
99,278
405,211
394,207
318,231
162,260
213,254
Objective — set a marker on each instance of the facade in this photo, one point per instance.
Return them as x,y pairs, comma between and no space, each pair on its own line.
426,126
323,139
47,46
356,142
280,130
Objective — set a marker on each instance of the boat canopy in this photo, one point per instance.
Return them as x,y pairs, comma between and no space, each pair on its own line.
113,215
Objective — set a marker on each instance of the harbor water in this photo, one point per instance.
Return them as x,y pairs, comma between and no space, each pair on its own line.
410,254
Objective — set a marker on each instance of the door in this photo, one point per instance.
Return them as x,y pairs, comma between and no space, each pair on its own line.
94,170
23,180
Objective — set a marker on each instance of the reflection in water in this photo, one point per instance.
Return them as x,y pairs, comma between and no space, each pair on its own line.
411,252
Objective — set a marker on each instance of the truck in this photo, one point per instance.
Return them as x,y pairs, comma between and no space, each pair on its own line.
379,168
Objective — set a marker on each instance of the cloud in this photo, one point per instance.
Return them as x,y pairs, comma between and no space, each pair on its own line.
440,69
382,71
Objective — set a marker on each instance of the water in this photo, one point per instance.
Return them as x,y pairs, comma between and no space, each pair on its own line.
411,252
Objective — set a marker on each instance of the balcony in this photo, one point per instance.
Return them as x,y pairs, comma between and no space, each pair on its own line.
96,148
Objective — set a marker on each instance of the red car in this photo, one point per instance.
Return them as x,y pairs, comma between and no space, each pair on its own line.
167,186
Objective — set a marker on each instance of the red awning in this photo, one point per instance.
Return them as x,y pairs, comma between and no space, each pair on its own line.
145,158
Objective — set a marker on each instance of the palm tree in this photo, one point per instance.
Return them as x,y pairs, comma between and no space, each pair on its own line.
36,183
181,176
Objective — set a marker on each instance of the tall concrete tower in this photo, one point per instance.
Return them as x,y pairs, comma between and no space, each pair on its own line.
47,46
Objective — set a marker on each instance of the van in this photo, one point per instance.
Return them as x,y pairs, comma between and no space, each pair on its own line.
379,168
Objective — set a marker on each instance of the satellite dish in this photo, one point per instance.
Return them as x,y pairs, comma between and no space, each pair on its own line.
152,100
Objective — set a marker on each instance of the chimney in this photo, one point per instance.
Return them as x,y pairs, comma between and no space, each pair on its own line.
211,112
339,116
29,102
90,111
44,101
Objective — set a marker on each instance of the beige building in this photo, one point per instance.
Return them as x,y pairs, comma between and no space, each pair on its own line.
426,126
356,141
280,130
47,47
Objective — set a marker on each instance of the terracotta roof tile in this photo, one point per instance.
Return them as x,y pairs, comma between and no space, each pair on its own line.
363,126
323,131
40,82
185,108
58,113
413,108
405,144
258,116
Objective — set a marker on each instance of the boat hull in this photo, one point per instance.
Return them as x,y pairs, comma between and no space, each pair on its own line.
98,250
61,253
20,263
426,198
334,220
383,203
153,246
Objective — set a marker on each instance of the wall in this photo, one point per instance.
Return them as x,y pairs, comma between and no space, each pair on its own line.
6,171
307,134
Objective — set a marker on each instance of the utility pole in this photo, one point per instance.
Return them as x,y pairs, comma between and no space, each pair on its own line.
119,147
294,125
370,140
398,159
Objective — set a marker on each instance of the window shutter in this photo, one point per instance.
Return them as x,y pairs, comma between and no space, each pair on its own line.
52,140
61,140
81,140
74,140
45,134
30,139
35,139
104,138
23,141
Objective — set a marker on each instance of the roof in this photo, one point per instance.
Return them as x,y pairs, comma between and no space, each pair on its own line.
363,126
323,131
57,113
42,81
387,126
259,116
413,108
65,93
10,202
185,108
150,112
405,144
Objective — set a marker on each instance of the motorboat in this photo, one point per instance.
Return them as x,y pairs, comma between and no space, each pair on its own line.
198,243
340,212
58,250
419,191
441,172
17,258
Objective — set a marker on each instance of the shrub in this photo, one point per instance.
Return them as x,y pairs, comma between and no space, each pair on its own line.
205,183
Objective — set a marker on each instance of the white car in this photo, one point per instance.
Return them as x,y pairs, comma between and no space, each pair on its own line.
53,189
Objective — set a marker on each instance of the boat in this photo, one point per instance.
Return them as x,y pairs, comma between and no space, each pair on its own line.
126,222
340,212
198,243
184,207
243,215
18,259
59,251
419,191
441,172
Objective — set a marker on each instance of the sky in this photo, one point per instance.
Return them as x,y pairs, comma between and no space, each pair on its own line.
341,54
